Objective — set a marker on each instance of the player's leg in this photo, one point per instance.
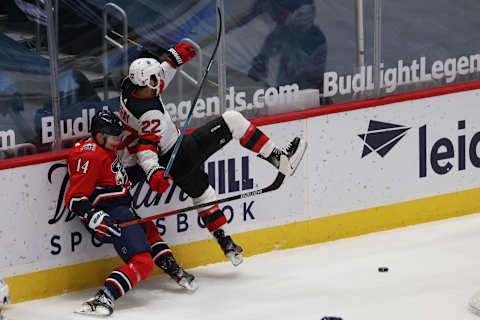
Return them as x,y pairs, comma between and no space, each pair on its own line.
254,139
163,257
197,187
134,250
188,175
211,137
117,284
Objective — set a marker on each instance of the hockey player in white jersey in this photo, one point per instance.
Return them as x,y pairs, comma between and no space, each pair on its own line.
153,136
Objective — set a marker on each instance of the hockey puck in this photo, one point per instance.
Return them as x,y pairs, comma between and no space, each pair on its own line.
383,269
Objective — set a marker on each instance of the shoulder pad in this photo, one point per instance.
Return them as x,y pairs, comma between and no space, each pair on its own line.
140,106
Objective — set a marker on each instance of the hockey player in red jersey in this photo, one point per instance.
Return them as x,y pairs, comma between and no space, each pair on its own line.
153,136
99,194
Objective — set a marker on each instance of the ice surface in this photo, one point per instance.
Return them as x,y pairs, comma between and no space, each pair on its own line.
433,271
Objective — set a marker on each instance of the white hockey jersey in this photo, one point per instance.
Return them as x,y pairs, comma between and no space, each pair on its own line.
149,130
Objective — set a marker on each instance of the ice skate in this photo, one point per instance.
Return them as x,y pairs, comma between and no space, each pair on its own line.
185,279
181,277
231,250
101,305
294,151
474,303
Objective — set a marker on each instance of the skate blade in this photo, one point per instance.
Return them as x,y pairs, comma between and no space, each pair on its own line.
190,286
284,166
99,311
236,259
294,163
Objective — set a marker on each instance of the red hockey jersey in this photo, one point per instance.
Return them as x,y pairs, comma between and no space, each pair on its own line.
97,178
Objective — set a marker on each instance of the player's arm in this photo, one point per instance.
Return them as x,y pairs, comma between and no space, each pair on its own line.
176,56
84,171
148,149
169,62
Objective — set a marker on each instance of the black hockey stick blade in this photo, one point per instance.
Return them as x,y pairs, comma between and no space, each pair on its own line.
282,171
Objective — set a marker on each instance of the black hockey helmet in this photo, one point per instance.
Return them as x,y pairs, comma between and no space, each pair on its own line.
106,122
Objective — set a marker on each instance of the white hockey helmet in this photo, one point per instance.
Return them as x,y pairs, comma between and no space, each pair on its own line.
4,295
143,70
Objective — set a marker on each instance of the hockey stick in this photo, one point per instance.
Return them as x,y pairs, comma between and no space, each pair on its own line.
283,169
179,140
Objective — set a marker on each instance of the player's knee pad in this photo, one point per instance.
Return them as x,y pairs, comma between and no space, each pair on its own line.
207,196
152,232
142,265
237,123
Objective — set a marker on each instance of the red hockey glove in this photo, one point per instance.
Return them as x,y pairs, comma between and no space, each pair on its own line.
180,54
102,224
156,181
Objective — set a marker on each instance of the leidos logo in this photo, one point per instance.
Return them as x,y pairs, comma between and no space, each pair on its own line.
441,156
443,150
381,137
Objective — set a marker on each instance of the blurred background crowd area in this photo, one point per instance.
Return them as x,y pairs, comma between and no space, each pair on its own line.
272,47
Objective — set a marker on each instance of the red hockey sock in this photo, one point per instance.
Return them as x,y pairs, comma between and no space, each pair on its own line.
254,139
152,232
127,276
213,217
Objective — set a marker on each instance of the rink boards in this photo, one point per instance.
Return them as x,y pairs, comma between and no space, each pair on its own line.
365,170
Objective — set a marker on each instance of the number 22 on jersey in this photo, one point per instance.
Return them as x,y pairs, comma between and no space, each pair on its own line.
150,126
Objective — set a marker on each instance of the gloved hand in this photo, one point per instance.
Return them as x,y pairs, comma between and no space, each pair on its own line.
180,54
102,224
157,182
